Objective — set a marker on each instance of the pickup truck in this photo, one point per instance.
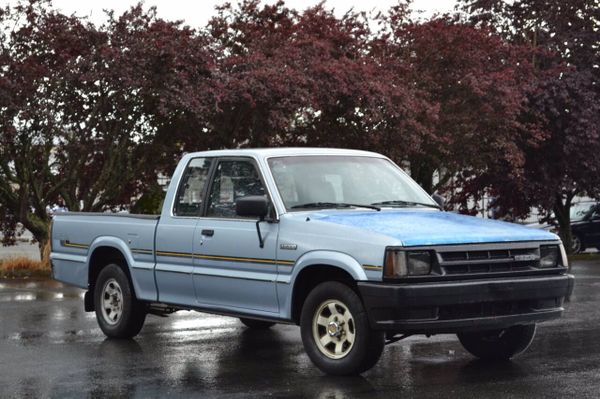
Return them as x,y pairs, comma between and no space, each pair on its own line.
342,243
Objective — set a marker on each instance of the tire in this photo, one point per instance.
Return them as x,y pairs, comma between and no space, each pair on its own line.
498,344
118,312
576,245
350,345
256,324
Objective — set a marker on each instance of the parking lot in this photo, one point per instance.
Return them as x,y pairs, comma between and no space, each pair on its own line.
49,347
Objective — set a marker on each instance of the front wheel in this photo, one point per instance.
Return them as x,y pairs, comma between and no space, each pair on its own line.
119,313
498,344
336,333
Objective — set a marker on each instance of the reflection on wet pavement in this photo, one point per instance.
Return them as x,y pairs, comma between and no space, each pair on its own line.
49,347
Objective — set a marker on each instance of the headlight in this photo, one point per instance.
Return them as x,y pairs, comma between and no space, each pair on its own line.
402,263
419,263
549,256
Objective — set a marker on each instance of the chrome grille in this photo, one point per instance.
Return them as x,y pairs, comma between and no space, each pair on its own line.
489,261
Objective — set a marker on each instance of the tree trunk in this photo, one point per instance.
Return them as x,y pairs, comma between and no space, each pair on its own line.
43,246
422,173
40,231
562,211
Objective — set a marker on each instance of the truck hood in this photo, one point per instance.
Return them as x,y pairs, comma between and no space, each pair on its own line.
425,227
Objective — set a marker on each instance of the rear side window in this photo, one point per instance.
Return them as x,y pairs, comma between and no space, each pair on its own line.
190,194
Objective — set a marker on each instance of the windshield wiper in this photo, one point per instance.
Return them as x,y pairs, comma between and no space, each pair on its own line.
335,205
406,203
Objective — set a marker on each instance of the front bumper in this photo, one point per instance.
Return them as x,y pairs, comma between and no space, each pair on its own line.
449,307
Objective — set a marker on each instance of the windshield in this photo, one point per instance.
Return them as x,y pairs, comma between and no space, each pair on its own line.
344,181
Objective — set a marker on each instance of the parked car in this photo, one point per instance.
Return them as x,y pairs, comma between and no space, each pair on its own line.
340,242
585,226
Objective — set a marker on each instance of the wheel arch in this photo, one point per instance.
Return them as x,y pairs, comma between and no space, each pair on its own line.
316,267
106,250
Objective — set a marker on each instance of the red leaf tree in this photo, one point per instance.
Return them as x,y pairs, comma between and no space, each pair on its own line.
564,104
469,81
89,115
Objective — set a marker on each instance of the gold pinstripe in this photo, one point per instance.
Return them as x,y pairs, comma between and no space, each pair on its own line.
67,243
142,251
227,258
371,267
175,254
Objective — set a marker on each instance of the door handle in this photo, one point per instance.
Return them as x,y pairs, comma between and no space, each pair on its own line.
208,233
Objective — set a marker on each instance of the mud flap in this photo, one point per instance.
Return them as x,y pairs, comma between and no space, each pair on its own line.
88,302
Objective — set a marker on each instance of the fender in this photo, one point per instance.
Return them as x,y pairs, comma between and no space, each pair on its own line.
317,258
142,273
331,258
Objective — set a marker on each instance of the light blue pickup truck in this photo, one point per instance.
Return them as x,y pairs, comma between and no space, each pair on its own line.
340,242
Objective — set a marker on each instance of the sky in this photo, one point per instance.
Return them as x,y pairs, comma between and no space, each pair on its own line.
198,12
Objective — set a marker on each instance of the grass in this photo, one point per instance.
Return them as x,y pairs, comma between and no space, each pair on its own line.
592,256
23,267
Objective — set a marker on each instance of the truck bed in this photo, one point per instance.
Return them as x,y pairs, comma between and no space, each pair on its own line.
75,235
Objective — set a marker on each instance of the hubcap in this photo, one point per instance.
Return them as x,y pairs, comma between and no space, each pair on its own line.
112,302
334,330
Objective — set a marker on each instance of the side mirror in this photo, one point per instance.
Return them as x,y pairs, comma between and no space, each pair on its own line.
252,206
439,199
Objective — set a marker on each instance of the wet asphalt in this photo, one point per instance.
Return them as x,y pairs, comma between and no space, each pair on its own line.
49,347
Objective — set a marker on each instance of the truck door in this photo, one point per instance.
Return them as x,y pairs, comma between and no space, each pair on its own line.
231,269
175,236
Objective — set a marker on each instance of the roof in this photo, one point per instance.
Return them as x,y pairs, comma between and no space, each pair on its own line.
282,151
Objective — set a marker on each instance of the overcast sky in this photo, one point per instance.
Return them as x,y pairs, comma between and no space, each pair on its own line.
198,12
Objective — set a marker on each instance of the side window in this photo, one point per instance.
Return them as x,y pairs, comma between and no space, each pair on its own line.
286,179
232,180
189,194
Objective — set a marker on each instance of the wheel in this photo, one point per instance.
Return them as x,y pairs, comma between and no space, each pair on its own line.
119,313
498,344
336,333
576,245
256,324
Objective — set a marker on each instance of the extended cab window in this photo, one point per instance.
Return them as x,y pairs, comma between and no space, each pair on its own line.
191,189
232,180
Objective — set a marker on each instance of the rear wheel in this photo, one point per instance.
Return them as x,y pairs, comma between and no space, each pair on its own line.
498,344
336,333
119,313
256,324
576,245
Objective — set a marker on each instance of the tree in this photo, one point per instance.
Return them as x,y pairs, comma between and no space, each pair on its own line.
291,78
563,103
87,114
470,79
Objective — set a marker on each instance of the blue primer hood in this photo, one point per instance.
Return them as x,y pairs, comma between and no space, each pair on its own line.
425,227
